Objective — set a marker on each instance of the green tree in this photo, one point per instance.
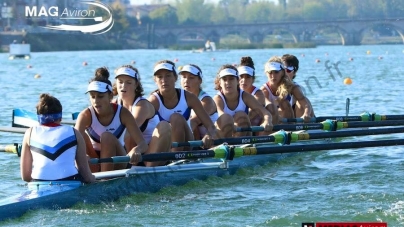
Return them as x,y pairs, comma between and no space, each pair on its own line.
393,8
193,11
120,18
164,16
258,12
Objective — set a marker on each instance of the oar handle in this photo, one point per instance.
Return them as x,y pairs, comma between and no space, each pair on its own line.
114,159
165,156
229,141
250,129
297,120
295,127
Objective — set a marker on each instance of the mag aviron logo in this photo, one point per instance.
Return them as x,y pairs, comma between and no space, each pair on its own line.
69,17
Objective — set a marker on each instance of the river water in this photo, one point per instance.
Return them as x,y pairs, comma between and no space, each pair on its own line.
340,185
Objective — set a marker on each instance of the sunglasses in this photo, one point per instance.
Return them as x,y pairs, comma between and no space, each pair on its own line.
290,69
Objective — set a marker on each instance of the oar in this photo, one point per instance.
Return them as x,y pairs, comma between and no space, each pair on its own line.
283,137
229,152
327,125
12,129
363,117
11,148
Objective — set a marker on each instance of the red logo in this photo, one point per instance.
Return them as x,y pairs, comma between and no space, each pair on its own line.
351,224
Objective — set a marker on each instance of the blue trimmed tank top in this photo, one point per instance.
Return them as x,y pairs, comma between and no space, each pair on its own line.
241,106
53,152
181,108
115,127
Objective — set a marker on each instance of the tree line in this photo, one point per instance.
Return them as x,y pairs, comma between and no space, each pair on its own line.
198,12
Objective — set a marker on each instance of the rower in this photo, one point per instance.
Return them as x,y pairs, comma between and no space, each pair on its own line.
279,86
235,102
130,93
191,81
174,106
51,151
246,72
103,125
291,64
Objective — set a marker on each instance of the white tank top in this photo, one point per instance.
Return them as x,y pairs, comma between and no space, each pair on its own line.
181,107
53,152
214,116
96,128
271,96
148,125
292,98
254,90
240,107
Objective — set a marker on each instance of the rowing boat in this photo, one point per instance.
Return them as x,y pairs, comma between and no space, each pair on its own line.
187,166
64,194
195,165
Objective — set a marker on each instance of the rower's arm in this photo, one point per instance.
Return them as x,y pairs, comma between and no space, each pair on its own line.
253,104
267,101
154,101
82,123
298,94
142,111
259,96
200,112
219,104
26,158
209,106
129,121
81,159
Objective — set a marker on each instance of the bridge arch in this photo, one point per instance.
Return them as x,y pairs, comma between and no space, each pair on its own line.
344,37
348,32
389,26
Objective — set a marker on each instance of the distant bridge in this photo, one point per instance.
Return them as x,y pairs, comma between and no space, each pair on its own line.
350,31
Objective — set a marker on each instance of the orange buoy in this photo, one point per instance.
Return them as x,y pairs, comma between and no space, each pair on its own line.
84,63
347,81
